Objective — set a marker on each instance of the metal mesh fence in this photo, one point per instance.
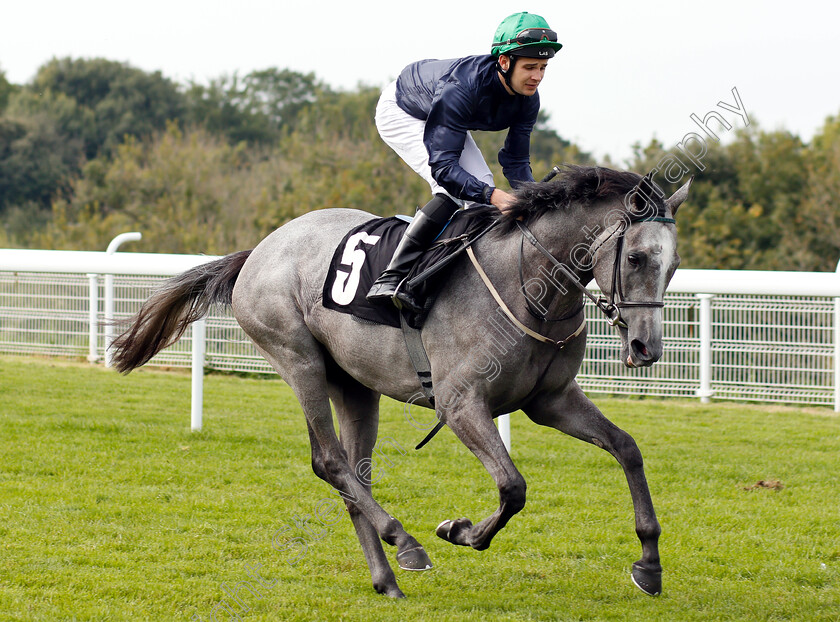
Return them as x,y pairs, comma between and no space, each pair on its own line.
44,314
677,374
764,348
767,348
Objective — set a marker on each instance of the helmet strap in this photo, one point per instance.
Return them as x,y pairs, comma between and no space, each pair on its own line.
506,75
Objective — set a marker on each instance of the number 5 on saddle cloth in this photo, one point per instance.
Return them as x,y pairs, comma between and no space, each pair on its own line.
365,252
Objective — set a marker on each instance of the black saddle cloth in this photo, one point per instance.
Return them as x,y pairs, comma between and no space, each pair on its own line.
365,252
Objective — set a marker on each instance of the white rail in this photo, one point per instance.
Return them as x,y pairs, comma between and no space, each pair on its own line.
84,262
756,283
701,346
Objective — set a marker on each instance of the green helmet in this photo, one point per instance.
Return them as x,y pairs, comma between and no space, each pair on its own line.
525,34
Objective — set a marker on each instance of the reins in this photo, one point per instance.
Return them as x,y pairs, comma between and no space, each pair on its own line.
536,313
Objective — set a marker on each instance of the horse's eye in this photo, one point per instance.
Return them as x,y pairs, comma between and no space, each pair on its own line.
634,259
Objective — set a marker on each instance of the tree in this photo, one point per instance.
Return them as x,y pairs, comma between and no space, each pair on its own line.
254,109
334,157
6,91
743,200
214,108
73,110
41,151
36,162
187,193
812,240
123,100
75,123
280,94
344,114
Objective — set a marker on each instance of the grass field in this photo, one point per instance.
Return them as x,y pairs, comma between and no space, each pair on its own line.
111,509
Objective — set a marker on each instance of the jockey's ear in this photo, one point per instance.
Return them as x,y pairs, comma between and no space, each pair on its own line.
675,200
504,62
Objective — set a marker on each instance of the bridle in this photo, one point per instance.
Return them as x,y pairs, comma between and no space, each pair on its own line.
611,307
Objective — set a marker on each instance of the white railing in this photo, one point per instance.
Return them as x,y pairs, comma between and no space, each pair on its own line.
742,335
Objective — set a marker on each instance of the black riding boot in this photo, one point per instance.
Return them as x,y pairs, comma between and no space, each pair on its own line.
427,224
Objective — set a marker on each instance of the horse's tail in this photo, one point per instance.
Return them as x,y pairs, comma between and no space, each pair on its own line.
168,312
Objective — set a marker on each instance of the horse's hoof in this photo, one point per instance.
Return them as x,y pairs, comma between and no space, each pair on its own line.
454,531
442,530
649,581
391,591
414,559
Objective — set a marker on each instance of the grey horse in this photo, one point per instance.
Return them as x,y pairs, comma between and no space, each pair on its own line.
589,222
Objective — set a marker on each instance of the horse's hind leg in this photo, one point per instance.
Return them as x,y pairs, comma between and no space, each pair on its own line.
574,414
303,366
357,408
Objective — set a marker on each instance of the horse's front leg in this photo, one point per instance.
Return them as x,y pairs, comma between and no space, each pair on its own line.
473,425
573,413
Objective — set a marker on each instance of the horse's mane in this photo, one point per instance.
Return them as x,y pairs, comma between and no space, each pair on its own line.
575,184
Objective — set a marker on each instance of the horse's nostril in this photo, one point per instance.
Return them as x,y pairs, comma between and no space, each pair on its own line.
640,348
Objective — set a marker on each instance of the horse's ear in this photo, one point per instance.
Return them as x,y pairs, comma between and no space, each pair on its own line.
675,200
643,196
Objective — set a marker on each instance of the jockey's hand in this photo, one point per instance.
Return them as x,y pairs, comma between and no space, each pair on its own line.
501,199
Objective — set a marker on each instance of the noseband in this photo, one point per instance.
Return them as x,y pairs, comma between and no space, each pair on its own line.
609,307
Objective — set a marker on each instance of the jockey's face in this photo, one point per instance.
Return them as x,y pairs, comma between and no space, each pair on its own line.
527,74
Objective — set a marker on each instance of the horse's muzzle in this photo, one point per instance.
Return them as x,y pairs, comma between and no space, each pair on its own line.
642,354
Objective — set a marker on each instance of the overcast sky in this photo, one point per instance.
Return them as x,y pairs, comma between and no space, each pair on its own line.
629,71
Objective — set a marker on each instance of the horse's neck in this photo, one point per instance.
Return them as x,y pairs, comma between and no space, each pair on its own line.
568,236
550,293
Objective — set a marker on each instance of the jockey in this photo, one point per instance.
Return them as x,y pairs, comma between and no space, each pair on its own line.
426,114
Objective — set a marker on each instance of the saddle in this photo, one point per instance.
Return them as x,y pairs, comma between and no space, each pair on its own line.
365,252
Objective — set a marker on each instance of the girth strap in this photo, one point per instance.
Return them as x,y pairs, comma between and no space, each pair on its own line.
419,359
423,368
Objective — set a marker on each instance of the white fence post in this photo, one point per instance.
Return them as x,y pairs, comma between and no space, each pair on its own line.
705,391
109,318
837,355
109,292
199,347
93,317
504,430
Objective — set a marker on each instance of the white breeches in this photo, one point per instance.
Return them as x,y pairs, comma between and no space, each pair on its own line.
404,134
